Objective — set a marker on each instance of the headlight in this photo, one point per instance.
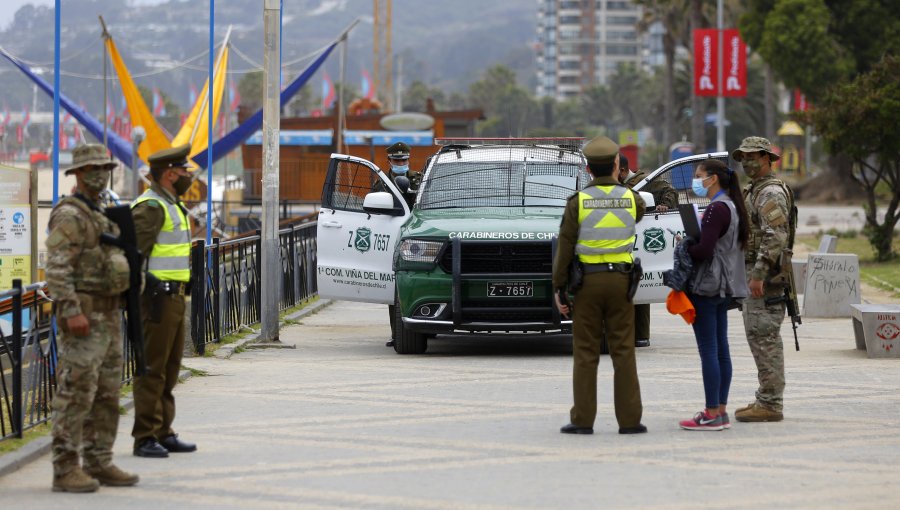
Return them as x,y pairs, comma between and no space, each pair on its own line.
415,250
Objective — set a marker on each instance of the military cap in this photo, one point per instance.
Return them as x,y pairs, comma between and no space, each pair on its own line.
600,150
399,150
755,144
176,157
91,154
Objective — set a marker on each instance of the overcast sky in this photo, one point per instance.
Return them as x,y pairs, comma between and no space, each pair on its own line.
9,7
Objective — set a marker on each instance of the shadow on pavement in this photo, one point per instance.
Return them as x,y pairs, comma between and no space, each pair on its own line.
500,345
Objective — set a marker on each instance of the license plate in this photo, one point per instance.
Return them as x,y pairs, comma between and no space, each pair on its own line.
510,289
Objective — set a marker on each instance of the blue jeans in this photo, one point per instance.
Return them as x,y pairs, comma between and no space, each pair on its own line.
711,332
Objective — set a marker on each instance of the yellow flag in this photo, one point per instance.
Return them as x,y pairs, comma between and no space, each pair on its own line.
195,130
156,139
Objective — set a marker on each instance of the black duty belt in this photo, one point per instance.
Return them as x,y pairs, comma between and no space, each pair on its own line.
608,267
170,287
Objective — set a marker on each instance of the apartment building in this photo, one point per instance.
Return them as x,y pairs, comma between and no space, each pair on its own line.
580,43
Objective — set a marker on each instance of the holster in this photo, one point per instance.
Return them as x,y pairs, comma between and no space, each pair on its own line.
634,279
154,302
576,276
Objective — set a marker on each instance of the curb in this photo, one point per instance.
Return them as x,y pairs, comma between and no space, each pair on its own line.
35,449
226,351
13,461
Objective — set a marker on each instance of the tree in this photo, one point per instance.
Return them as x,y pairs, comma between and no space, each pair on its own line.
859,119
416,96
250,87
509,108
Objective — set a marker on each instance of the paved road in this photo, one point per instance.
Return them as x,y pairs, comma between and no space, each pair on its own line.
342,422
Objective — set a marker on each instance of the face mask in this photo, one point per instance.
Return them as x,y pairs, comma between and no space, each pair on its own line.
400,170
751,167
182,184
697,187
95,181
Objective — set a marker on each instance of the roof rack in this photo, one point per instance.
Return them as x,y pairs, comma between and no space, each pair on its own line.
571,143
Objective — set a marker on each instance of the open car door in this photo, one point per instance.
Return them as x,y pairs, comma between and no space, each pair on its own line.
655,242
356,232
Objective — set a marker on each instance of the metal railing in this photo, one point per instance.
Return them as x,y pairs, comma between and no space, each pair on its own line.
28,358
225,296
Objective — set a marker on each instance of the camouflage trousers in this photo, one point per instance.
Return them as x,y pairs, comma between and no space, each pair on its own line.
86,404
762,324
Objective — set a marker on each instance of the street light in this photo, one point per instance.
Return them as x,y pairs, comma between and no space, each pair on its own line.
137,136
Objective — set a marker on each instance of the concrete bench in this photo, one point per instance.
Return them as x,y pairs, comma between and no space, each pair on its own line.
877,329
828,244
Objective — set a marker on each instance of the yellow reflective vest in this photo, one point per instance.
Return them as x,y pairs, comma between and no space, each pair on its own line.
170,258
606,224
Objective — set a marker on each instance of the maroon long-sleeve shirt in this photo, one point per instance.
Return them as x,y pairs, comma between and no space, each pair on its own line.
713,225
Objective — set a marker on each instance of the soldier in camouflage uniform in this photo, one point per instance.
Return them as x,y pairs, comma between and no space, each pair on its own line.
769,203
666,198
398,158
86,279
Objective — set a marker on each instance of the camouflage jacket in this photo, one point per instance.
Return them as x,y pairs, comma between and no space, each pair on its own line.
663,192
768,206
76,260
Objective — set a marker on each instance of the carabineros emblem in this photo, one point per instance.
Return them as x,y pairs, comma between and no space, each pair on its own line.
654,240
363,240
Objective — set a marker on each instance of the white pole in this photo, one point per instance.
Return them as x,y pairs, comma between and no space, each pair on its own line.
269,272
720,99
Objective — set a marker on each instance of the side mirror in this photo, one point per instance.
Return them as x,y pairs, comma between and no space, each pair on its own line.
648,200
402,183
381,202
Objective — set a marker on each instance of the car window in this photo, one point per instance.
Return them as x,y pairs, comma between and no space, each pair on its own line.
679,177
476,182
348,186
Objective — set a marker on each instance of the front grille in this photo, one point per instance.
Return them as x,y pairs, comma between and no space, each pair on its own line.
501,258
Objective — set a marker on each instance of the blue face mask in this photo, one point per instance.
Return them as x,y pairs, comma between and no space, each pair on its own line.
400,170
697,187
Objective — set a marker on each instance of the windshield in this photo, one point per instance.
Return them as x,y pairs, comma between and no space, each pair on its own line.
460,183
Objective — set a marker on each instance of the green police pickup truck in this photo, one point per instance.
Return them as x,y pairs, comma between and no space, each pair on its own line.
475,253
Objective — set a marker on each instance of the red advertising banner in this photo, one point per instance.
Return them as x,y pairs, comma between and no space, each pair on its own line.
734,52
800,102
706,48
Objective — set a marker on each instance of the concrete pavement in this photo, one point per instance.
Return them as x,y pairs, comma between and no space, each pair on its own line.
343,422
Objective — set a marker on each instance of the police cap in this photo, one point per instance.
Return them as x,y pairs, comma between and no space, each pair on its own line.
90,154
601,150
399,150
176,157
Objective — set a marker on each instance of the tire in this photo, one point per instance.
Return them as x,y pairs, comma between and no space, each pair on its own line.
406,341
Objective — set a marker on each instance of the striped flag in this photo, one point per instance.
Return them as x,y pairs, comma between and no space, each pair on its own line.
368,91
328,95
192,96
234,97
159,105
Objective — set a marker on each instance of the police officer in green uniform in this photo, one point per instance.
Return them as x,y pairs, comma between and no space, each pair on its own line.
398,159
666,198
164,238
598,228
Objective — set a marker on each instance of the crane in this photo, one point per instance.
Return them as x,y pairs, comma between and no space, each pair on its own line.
382,54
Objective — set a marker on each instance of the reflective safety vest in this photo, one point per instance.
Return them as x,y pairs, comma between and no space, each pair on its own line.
169,259
606,219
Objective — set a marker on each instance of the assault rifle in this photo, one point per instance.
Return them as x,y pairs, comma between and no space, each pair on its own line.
785,279
127,241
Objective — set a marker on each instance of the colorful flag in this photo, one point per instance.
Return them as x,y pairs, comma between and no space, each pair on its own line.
192,96
368,91
110,112
800,102
6,116
234,97
26,118
735,61
706,72
159,105
328,95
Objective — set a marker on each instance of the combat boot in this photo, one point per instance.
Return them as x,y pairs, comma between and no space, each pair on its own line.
75,481
758,413
113,476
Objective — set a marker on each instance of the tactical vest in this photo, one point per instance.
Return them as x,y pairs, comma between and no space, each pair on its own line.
606,218
751,193
102,269
169,259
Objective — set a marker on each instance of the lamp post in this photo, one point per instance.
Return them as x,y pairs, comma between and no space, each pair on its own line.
137,136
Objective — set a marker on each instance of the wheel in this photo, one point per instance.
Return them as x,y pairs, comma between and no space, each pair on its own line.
406,341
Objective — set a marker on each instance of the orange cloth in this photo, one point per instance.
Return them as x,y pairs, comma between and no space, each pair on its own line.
677,303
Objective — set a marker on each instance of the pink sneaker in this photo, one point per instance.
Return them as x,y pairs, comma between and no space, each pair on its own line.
703,421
